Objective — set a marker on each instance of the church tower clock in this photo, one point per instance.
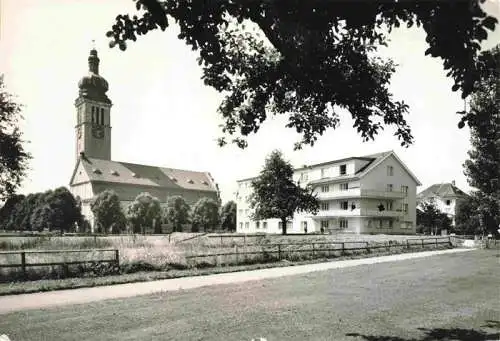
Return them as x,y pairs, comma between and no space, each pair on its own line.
93,128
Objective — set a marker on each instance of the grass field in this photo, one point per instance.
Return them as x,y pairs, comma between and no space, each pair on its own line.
449,297
163,253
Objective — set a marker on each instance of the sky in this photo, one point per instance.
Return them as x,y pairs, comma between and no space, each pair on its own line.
164,115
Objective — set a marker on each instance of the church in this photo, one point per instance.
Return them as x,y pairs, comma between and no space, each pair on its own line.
95,171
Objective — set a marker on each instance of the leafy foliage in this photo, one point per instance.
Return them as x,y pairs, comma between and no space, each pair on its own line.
42,218
205,216
22,211
107,212
431,220
276,195
144,211
13,158
8,209
177,212
467,219
483,166
228,216
307,59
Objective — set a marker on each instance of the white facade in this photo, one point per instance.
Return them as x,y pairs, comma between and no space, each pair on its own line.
446,197
372,194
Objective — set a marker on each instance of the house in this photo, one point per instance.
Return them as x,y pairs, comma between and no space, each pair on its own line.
94,169
366,194
446,197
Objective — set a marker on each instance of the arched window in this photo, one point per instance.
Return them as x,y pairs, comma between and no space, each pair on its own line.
102,116
93,114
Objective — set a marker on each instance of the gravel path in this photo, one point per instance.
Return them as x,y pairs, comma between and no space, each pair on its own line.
14,303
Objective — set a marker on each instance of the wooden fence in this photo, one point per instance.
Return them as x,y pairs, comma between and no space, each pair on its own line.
317,248
23,264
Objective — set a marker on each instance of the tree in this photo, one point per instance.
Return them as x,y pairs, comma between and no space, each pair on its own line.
9,209
66,212
42,218
483,166
307,59
467,219
276,195
205,215
228,216
431,220
144,211
30,204
13,158
177,212
108,215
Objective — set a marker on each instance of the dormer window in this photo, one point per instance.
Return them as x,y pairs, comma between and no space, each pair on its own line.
135,175
113,172
190,181
448,202
343,169
96,171
205,183
173,179
390,170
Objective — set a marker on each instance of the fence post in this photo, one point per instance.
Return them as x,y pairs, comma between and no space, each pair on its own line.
221,242
95,239
367,247
407,243
237,256
312,249
422,242
436,242
23,263
169,237
245,239
279,251
117,258
343,249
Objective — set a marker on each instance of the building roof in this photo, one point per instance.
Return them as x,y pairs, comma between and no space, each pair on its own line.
99,170
373,161
443,190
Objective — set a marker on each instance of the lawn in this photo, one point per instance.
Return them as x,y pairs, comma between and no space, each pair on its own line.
447,297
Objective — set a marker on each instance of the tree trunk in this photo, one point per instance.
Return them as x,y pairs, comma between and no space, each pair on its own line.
283,224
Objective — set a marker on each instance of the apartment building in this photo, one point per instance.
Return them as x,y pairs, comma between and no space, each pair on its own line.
366,194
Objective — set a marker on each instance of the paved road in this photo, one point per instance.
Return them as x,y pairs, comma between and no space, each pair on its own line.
86,295
452,296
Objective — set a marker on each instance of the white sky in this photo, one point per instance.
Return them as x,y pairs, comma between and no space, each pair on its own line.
164,115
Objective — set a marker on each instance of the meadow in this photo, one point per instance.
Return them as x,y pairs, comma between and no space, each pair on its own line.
180,251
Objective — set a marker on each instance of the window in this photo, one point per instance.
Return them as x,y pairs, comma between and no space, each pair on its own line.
102,116
343,223
247,225
240,212
344,187
389,187
389,205
390,171
325,206
93,114
304,225
241,226
257,224
343,169
323,172
448,202
325,188
324,224
404,189
246,212
405,208
303,177
391,224
370,224
264,225
380,224
343,205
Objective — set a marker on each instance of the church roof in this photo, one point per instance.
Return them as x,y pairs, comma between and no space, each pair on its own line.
99,170
443,190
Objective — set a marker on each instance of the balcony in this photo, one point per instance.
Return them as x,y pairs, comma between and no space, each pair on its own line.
358,213
360,193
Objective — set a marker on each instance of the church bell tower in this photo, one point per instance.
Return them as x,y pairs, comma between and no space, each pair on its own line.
93,127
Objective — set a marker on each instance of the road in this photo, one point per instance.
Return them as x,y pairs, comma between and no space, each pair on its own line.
419,299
